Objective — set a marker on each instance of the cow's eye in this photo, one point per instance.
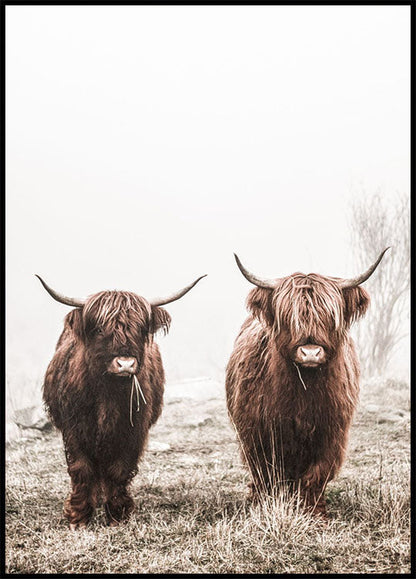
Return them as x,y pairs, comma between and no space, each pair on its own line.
98,331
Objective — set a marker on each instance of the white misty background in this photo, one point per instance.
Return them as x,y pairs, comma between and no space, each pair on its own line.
145,145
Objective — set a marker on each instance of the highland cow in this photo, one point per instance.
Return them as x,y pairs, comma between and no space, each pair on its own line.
103,390
292,381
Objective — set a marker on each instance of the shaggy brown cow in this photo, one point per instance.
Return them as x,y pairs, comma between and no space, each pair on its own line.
103,389
292,380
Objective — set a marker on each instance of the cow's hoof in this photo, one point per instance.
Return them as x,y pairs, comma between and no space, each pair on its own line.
254,494
319,514
77,526
321,519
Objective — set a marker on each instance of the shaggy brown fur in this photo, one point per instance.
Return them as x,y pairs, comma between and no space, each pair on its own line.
91,406
293,421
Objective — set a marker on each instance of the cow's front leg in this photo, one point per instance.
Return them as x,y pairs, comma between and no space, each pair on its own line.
313,484
314,499
81,502
118,503
260,452
314,480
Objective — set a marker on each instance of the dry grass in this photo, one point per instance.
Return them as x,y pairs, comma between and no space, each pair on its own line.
191,510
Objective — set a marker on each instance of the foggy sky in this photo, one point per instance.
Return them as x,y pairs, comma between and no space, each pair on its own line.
145,145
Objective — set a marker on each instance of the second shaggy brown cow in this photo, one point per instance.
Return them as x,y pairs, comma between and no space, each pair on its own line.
292,381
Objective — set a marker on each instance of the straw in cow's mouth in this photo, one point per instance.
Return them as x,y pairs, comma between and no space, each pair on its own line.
300,375
135,385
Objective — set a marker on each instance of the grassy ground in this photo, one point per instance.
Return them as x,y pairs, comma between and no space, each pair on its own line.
191,514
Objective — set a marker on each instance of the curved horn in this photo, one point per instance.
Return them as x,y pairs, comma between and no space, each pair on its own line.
264,283
354,282
77,303
175,296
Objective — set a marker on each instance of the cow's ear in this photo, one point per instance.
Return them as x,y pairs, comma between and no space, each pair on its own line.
73,320
160,320
259,303
356,302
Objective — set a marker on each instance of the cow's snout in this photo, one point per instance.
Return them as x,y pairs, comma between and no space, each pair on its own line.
310,355
123,365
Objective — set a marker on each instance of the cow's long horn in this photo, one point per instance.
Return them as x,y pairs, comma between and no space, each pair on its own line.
175,296
75,302
260,282
354,282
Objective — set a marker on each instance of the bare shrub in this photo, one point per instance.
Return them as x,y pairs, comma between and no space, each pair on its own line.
376,224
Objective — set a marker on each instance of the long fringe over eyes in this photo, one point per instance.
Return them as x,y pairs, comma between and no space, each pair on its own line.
108,307
307,304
